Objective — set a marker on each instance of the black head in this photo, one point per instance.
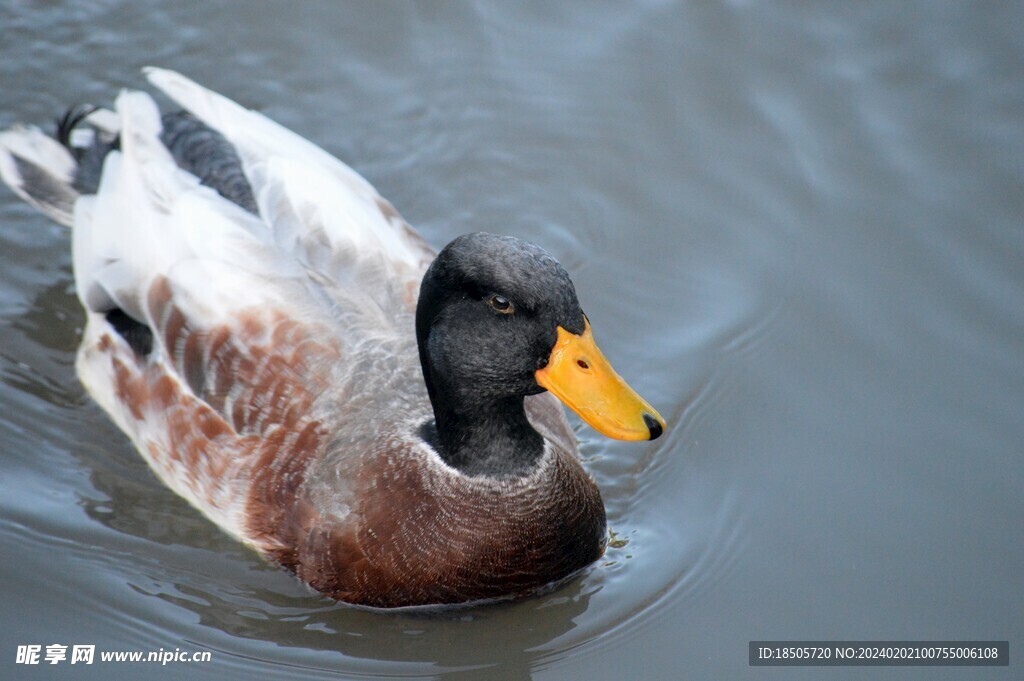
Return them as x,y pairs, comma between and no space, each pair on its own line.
488,314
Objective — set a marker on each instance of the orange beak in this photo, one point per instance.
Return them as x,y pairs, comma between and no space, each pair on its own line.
579,375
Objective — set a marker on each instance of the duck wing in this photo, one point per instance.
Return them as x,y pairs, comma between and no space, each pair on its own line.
331,219
249,316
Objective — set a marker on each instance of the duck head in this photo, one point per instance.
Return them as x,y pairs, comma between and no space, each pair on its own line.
497,320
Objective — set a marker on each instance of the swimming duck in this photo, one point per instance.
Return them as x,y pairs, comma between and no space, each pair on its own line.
293,359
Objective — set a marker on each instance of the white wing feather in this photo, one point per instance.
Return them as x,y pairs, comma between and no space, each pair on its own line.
150,218
310,199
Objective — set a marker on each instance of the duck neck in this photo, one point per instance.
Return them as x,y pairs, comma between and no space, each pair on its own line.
486,437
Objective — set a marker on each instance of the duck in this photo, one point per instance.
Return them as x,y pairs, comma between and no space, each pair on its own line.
382,420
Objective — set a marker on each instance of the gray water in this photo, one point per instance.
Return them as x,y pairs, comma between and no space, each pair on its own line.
796,229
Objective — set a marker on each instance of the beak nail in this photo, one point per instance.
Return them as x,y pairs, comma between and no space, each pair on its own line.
653,426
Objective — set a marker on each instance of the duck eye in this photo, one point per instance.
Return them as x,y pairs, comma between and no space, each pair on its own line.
500,304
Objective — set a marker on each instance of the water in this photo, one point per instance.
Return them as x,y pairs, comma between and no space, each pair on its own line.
797,230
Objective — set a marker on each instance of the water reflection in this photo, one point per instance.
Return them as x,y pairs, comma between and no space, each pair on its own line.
503,637
40,367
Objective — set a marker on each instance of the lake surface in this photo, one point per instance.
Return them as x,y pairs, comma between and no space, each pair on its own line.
797,229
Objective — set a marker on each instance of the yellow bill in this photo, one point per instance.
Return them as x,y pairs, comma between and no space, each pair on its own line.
579,375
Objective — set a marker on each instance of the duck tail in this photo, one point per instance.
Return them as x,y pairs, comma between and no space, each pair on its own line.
51,173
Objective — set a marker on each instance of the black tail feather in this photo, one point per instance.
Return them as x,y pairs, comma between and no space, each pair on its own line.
67,123
90,156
